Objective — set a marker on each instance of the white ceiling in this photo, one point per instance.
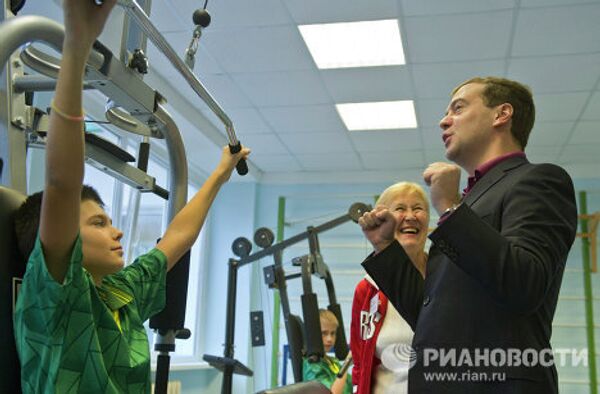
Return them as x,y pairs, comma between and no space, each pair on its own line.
254,62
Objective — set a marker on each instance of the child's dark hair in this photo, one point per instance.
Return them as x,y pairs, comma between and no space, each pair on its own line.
27,218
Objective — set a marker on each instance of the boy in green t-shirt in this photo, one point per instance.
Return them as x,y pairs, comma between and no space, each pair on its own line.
79,315
326,369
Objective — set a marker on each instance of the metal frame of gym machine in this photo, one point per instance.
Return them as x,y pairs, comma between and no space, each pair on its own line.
276,278
133,106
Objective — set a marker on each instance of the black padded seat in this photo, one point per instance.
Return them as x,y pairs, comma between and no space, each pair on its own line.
296,343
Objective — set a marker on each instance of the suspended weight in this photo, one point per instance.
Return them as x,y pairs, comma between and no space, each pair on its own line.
201,17
264,237
241,247
357,209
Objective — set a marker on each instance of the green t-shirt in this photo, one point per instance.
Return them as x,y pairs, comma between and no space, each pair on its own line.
67,338
325,371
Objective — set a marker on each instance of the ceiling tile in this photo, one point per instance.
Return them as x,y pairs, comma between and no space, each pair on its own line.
303,119
221,88
549,3
264,144
393,160
312,143
551,107
319,11
549,134
439,79
254,62
586,132
543,154
450,37
558,30
431,111
385,141
367,84
577,154
327,162
432,138
283,88
248,121
415,7
235,14
166,18
271,48
592,111
205,64
275,163
561,73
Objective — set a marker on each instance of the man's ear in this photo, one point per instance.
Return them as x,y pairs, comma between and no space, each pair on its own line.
504,113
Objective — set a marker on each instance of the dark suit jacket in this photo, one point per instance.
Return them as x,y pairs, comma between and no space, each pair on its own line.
493,277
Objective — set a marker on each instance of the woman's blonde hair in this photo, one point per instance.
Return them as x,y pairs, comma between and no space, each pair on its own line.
402,188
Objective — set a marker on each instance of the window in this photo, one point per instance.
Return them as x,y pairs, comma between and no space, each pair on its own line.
141,216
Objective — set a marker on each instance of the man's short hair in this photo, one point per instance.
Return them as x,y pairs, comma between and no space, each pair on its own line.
501,90
27,218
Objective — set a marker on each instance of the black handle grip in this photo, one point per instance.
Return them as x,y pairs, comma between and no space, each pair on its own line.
347,363
161,192
241,166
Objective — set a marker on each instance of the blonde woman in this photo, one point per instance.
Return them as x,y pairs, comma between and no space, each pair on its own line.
379,337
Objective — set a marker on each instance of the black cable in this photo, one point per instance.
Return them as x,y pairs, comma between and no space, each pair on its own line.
205,3
98,121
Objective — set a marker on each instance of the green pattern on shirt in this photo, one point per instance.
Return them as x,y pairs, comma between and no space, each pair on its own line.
67,338
324,371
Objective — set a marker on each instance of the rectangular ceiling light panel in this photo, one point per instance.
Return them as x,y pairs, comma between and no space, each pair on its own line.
384,115
354,44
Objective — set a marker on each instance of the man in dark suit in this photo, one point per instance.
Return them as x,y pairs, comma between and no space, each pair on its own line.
483,314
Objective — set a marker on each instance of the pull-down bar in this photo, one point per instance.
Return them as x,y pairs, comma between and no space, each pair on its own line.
136,12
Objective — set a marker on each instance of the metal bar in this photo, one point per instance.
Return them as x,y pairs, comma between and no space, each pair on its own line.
178,170
18,31
277,302
117,169
37,83
306,271
230,326
331,224
104,161
166,329
589,304
137,13
49,65
330,289
121,84
293,240
14,32
12,136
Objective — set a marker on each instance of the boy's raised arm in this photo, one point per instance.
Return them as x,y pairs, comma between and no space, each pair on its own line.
183,231
59,218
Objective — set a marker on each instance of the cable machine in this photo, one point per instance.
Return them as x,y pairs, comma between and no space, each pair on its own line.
132,106
276,278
